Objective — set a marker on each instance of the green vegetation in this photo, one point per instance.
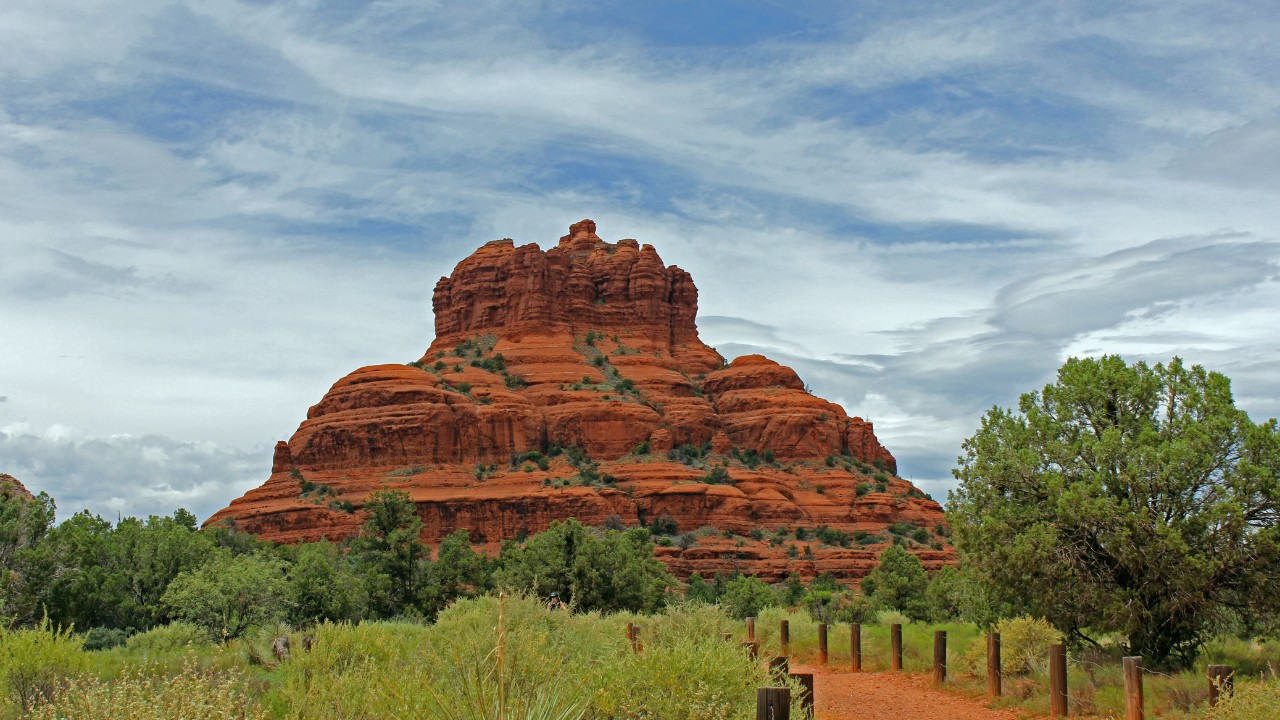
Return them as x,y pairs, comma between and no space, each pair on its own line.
1126,499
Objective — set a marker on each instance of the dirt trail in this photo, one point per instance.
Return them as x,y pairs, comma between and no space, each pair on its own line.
890,696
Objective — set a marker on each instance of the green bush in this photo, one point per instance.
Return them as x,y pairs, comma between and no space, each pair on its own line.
101,638
1024,647
175,636
34,662
746,596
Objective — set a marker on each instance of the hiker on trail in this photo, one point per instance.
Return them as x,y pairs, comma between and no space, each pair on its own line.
554,603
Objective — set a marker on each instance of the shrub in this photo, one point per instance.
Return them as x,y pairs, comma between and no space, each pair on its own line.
34,662
719,475
901,528
177,635
229,594
831,536
1253,700
101,638
664,525
863,489
1024,647
745,597
899,583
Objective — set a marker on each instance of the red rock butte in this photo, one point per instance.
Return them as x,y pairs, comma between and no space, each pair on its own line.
572,382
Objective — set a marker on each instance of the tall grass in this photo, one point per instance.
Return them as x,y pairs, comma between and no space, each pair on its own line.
486,654
140,695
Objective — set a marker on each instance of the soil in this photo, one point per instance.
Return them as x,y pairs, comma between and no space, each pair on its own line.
890,696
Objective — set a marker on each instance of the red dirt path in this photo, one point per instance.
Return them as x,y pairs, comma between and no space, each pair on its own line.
890,696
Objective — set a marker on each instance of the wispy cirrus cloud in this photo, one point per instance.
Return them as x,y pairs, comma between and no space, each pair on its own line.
213,210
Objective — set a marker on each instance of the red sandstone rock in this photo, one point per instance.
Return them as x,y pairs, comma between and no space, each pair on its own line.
11,488
594,345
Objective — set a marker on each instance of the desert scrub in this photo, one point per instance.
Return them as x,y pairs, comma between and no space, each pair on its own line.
1024,648
1253,700
33,664
140,695
177,636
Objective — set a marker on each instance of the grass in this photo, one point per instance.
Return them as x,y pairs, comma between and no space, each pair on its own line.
489,657
483,658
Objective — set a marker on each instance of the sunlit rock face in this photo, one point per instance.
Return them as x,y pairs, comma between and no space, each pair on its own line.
571,382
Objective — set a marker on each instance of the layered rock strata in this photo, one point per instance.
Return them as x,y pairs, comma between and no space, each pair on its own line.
572,382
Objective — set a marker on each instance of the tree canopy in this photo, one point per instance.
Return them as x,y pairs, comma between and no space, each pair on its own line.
1125,498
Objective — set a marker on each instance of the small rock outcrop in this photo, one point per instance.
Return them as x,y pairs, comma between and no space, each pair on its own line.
10,488
572,382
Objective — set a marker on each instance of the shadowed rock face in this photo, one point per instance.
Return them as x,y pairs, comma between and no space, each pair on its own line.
11,488
589,346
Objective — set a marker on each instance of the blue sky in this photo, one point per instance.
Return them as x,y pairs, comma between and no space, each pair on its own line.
210,211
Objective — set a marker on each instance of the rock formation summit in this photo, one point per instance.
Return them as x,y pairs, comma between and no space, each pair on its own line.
571,382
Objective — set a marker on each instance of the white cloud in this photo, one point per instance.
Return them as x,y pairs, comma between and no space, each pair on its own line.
211,211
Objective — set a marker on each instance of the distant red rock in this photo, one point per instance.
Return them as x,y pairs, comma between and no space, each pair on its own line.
11,488
593,346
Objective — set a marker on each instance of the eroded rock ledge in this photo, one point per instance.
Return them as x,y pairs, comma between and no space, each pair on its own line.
572,382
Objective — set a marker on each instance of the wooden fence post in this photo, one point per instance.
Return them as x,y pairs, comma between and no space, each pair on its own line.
994,673
855,647
1221,682
727,636
753,648
822,643
1057,680
773,703
1133,709
939,656
895,647
780,667
631,634
784,636
806,693
751,629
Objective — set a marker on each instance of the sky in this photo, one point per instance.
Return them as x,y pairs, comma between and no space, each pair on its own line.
210,211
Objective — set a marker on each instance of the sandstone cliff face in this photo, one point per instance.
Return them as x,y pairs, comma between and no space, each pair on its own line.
11,488
572,383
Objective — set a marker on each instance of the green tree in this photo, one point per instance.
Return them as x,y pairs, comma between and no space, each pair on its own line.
24,569
323,585
606,571
898,583
230,594
108,576
457,572
700,590
945,594
1125,498
745,597
392,554
791,592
